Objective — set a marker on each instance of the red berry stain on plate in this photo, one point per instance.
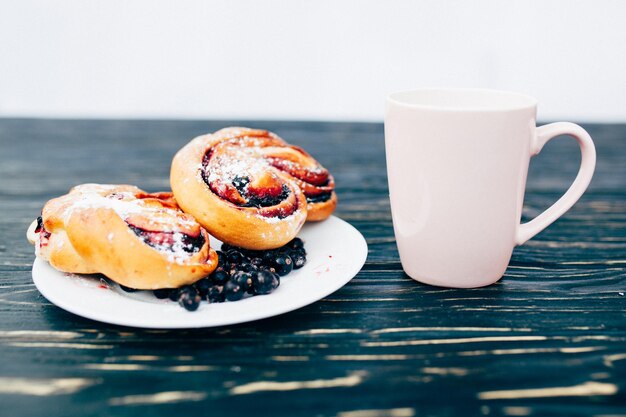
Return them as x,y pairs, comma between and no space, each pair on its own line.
321,269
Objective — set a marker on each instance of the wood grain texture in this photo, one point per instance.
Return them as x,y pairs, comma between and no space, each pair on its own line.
548,339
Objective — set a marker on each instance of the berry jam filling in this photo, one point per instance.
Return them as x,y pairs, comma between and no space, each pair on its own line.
319,198
44,235
317,176
240,273
269,196
39,227
169,241
259,198
314,181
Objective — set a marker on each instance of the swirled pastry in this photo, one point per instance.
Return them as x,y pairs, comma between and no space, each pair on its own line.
137,239
250,188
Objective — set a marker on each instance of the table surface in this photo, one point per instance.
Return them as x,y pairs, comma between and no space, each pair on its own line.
548,339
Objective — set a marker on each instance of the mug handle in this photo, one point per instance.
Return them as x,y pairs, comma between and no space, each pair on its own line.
544,133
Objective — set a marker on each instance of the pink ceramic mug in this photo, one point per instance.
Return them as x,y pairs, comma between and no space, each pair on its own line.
457,161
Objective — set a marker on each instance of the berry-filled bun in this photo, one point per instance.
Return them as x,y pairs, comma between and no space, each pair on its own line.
249,188
139,240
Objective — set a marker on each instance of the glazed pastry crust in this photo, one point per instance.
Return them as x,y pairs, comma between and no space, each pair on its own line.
299,160
59,252
236,224
88,231
239,226
126,259
56,247
321,211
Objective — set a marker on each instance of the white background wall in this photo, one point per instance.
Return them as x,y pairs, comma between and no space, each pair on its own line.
319,59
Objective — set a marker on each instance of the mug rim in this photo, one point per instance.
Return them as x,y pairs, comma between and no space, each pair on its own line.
522,101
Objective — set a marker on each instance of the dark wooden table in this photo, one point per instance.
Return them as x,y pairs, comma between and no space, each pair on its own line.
548,339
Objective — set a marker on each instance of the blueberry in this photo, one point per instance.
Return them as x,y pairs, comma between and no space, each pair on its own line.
256,262
219,276
235,257
283,264
243,279
269,256
296,252
173,295
127,289
203,286
263,282
162,293
189,298
240,183
245,252
226,247
295,243
247,267
215,294
275,281
299,261
221,258
232,291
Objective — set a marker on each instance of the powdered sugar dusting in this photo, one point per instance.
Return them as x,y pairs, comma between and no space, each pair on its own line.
121,204
179,251
233,167
125,204
236,162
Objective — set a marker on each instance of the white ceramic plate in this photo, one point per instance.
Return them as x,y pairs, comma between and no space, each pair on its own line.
336,251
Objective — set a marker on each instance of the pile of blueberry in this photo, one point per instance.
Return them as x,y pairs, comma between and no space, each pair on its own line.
240,272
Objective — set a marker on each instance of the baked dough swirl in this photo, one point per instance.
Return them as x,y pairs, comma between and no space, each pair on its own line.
250,188
137,239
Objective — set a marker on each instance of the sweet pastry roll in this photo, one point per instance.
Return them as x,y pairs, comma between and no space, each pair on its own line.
137,239
314,180
48,233
250,188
